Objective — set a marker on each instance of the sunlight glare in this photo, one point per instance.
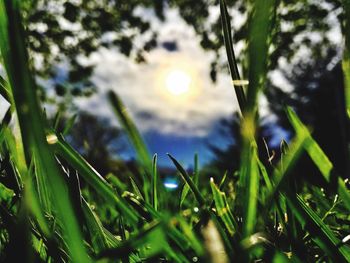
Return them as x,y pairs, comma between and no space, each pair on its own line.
178,82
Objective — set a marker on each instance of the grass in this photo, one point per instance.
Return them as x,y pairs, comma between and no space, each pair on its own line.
46,217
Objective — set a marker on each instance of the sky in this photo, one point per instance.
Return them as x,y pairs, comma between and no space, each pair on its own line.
171,98
180,124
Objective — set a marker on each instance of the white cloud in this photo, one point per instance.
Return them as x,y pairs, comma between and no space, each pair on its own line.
141,88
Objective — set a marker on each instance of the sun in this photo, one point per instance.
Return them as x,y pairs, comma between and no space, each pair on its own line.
178,82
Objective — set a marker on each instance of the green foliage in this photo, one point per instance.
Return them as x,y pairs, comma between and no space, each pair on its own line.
55,207
60,31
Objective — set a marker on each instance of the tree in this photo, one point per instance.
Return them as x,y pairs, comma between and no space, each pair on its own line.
318,98
98,141
65,31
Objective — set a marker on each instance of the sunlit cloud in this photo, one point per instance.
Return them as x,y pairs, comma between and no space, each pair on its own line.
172,93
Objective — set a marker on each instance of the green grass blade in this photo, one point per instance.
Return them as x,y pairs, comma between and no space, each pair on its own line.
136,188
154,183
258,46
318,156
56,120
346,54
186,188
93,178
69,124
223,210
4,124
196,169
31,199
285,165
42,185
24,93
191,236
249,180
226,27
134,136
184,192
264,174
344,192
320,232
147,211
4,90
131,130
188,181
313,149
152,235
94,227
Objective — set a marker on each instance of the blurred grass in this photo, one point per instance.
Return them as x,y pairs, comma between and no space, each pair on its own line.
256,216
23,90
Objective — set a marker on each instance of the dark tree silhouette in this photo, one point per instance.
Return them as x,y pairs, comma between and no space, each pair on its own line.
98,141
318,98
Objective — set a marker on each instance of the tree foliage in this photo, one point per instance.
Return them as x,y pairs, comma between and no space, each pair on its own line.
66,31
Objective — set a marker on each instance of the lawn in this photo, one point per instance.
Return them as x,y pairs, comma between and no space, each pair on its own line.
55,207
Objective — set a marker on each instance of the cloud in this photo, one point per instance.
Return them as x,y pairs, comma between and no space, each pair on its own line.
142,89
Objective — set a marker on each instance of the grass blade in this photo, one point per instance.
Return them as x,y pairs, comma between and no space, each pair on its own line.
226,27
284,167
184,193
135,188
249,180
95,229
346,54
5,90
154,183
222,209
93,178
186,188
24,93
321,233
152,234
188,181
258,46
69,124
313,149
318,156
131,130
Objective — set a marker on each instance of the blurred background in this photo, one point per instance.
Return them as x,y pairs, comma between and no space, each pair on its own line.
166,60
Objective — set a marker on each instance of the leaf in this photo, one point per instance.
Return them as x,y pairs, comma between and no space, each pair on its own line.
93,178
318,156
24,93
196,170
131,130
189,233
226,27
260,20
69,124
284,167
188,181
154,183
222,209
184,193
136,188
346,53
151,235
94,227
186,188
5,90
249,180
320,232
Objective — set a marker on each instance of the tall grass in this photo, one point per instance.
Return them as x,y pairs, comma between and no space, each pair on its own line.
46,217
